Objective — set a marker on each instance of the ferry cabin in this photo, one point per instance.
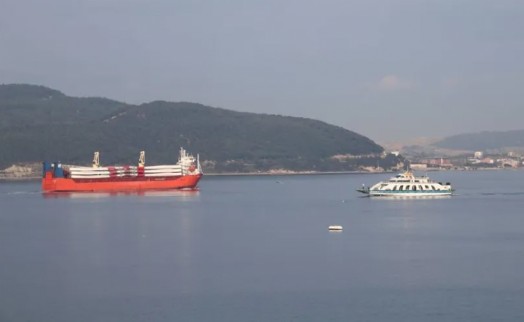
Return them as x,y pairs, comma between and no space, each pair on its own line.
407,184
408,187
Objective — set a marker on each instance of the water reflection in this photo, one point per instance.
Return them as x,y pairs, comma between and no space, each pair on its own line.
190,193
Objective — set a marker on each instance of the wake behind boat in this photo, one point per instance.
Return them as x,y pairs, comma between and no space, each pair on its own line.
408,185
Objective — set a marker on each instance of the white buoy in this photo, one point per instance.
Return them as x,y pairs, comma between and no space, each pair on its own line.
335,227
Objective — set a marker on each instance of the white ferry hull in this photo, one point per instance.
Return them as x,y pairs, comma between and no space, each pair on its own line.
408,185
408,194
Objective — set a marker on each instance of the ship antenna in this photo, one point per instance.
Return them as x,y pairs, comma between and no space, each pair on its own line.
142,159
96,160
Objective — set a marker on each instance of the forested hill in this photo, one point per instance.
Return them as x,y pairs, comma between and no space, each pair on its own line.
38,123
484,141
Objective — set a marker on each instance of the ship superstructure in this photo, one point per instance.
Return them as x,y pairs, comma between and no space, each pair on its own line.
408,185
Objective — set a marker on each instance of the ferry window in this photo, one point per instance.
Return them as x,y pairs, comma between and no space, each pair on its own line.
433,187
401,188
414,188
427,187
394,187
420,188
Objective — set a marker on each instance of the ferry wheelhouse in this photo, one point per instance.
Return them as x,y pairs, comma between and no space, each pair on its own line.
408,185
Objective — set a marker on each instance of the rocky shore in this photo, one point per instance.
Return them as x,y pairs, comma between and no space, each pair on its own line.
21,172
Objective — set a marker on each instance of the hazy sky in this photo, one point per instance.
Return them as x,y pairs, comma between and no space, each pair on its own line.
390,70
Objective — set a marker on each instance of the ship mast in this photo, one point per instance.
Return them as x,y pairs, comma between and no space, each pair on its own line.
96,160
142,159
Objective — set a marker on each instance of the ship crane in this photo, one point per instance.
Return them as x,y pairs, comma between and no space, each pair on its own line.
142,159
96,160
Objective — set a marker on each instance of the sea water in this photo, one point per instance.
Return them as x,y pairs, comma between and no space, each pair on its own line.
258,248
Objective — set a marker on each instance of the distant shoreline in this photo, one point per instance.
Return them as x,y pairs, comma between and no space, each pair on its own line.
287,173
18,179
298,173
228,174
350,172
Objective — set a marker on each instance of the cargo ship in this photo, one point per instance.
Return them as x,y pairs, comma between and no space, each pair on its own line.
185,174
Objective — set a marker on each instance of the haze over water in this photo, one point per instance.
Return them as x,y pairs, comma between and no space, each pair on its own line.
258,249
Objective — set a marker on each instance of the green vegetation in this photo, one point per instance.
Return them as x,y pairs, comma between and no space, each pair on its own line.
484,141
38,123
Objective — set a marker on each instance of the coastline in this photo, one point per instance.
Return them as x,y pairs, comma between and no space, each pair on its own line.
224,174
19,179
349,172
33,177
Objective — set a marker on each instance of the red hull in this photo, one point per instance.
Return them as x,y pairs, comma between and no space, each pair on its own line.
50,184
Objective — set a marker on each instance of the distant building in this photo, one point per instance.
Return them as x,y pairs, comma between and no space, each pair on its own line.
438,163
395,153
484,161
508,163
419,166
478,154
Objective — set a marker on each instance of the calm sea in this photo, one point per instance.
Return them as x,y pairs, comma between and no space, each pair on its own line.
258,249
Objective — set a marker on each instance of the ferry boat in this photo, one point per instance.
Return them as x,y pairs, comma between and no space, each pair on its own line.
185,174
408,185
